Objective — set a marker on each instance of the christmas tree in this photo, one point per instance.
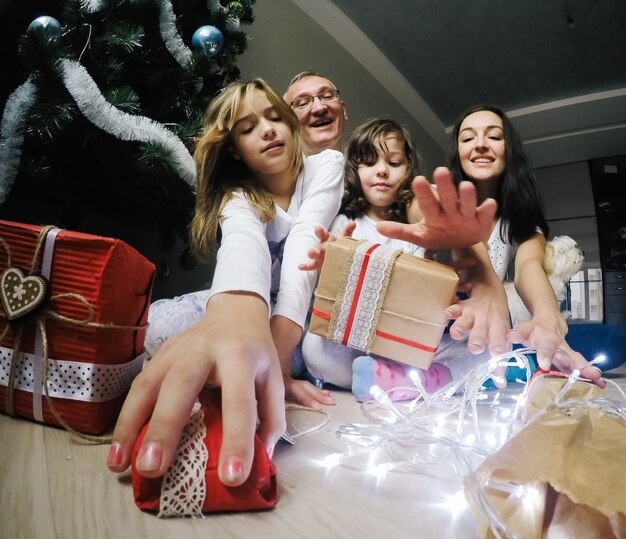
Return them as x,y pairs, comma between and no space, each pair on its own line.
98,138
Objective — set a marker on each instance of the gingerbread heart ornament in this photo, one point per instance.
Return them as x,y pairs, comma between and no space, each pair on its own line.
20,294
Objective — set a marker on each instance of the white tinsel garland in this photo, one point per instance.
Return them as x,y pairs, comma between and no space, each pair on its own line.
120,124
171,38
92,6
12,133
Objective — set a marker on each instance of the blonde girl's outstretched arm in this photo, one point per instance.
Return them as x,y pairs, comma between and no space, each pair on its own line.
316,255
547,329
230,347
484,316
318,192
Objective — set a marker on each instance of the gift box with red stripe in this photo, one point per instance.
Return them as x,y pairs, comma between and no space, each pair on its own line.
74,312
378,300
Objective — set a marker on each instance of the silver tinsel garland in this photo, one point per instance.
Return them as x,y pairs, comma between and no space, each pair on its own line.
16,109
171,38
120,124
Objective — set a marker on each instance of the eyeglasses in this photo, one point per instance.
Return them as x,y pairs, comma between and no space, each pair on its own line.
306,101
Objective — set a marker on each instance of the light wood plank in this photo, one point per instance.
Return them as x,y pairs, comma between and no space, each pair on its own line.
53,485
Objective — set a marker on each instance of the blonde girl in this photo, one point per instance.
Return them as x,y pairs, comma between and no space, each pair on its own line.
258,200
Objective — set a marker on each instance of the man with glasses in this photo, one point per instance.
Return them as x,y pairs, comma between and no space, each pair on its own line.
320,110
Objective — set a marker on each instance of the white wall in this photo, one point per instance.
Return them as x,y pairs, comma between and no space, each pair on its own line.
285,41
570,210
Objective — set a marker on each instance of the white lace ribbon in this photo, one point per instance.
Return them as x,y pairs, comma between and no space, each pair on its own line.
183,489
359,301
72,380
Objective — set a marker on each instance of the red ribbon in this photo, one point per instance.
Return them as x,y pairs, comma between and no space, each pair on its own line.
357,292
405,341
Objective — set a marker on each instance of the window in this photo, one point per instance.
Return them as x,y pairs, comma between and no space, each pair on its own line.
584,296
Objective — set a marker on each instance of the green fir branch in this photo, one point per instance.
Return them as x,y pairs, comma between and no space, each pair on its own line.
49,119
126,37
124,98
156,159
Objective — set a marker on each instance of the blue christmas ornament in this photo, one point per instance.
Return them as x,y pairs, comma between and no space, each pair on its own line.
48,24
208,39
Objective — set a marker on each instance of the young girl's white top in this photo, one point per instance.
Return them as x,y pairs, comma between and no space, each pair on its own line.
263,257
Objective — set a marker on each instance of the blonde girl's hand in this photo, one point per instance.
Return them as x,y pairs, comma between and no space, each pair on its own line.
318,254
231,347
305,393
553,350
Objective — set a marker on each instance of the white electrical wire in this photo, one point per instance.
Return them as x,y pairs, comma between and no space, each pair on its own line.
413,438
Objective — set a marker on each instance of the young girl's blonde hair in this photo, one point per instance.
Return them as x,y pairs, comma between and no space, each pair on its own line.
221,173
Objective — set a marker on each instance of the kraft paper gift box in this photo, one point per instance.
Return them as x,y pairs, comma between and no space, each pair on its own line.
74,312
378,300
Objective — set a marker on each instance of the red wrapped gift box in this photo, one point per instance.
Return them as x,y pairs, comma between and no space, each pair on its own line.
191,485
94,315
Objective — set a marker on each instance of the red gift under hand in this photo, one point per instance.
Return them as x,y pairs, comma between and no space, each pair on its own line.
191,485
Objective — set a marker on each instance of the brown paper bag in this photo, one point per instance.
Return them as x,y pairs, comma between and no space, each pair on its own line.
563,475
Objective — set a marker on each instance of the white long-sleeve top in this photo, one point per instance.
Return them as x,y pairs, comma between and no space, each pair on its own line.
366,230
262,257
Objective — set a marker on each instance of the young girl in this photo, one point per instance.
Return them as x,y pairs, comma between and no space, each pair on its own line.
381,162
261,199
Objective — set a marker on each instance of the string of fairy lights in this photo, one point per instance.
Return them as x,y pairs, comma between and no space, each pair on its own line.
443,428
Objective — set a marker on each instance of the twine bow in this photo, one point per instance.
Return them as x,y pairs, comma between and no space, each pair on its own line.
43,313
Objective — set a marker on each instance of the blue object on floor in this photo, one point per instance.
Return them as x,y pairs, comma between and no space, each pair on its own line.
513,372
593,340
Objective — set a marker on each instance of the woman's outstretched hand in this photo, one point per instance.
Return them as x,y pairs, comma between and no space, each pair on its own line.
553,350
450,217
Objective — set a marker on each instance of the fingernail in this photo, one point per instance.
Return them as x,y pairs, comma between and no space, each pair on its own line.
149,458
597,370
232,470
114,459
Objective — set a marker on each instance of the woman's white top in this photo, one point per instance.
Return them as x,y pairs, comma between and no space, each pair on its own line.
501,252
263,257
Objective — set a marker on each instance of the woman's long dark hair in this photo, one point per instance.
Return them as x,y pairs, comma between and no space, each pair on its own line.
362,147
519,200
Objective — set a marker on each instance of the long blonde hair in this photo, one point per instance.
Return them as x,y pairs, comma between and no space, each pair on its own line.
220,174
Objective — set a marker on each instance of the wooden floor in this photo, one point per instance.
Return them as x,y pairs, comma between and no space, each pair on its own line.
53,485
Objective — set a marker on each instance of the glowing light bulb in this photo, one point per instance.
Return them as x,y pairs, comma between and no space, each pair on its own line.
598,359
505,413
490,440
332,460
469,440
457,503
